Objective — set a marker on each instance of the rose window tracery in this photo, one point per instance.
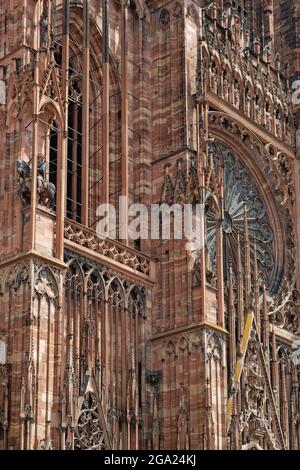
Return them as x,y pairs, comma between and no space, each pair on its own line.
241,195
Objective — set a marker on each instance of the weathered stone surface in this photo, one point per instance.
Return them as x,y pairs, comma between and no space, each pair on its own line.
158,344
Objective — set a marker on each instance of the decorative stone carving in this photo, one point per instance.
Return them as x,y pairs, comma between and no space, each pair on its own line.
214,348
103,285
253,71
44,36
168,188
153,378
45,284
257,425
237,95
278,167
24,179
14,278
193,187
46,190
182,423
240,189
180,184
89,434
106,247
285,308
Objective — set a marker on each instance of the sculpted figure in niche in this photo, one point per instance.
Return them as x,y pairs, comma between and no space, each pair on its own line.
214,78
268,117
237,95
278,124
248,99
211,277
288,130
24,181
236,29
44,30
226,87
46,190
261,400
258,109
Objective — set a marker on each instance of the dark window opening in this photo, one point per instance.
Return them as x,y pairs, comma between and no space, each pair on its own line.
53,155
137,244
74,166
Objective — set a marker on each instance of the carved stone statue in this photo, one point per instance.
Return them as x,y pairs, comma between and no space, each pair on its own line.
278,124
24,180
248,99
44,36
237,95
268,117
45,189
226,88
214,78
258,113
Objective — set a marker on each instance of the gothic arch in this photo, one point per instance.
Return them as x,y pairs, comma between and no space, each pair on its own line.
116,293
75,266
170,349
27,105
282,355
74,193
9,279
51,108
95,284
22,275
135,300
90,432
193,13
140,7
164,17
252,161
45,284
214,346
183,344
212,201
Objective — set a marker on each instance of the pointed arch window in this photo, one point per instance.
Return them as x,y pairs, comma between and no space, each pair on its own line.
74,165
53,146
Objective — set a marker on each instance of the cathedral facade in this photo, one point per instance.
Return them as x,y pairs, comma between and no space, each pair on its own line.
153,343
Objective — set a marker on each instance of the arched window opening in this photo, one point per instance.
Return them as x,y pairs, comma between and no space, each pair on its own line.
53,153
74,166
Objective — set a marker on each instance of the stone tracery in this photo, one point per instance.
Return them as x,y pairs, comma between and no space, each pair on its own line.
126,343
89,433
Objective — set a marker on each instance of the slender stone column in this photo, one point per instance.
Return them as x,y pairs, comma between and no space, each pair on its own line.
124,113
35,130
63,143
105,107
85,114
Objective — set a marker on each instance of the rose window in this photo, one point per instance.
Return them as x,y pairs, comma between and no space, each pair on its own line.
241,194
